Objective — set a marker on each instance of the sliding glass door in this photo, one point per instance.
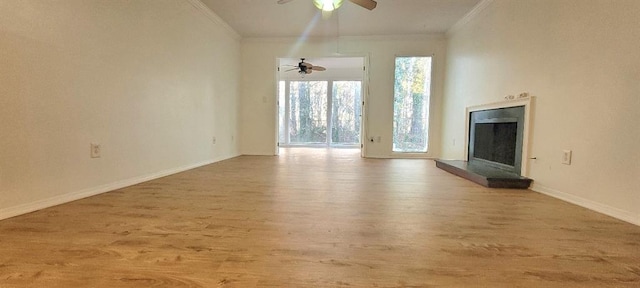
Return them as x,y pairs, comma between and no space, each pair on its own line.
311,114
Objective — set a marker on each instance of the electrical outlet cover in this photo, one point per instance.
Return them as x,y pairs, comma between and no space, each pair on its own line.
566,157
95,150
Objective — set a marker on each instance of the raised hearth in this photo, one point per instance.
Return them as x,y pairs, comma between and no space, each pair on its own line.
484,175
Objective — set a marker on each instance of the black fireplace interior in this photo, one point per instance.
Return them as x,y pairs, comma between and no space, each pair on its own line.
496,142
495,138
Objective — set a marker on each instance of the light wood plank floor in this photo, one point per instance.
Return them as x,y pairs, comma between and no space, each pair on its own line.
318,218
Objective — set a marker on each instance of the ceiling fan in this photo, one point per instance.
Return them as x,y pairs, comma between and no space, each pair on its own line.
330,5
305,67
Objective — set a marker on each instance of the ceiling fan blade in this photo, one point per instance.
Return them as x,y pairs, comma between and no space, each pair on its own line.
318,68
284,1
306,64
367,4
290,69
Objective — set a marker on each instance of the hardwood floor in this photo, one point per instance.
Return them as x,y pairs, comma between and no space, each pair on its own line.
318,218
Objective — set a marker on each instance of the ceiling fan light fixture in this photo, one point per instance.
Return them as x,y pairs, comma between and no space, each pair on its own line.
328,5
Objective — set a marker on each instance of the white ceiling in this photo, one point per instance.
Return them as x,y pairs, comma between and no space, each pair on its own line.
266,18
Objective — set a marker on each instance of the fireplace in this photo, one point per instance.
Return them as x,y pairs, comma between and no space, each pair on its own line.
495,138
496,151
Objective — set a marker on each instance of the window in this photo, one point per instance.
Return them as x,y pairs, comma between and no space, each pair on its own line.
411,104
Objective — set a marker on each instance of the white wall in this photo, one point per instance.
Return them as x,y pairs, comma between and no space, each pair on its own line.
581,61
258,90
152,81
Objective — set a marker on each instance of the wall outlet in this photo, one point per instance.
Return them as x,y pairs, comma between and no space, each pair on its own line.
566,157
95,150
213,140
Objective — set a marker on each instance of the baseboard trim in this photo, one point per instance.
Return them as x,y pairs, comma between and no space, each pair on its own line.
589,204
84,193
77,195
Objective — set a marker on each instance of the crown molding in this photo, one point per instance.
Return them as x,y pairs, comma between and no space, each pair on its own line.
204,9
469,16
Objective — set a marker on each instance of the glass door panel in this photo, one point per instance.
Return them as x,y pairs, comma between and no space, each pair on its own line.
346,112
308,112
282,116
